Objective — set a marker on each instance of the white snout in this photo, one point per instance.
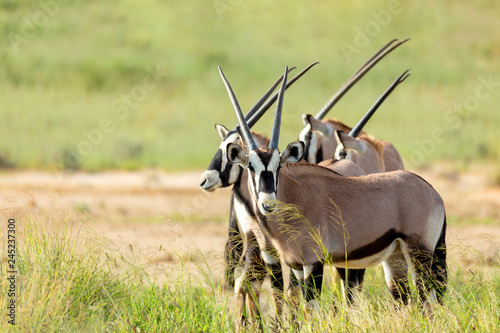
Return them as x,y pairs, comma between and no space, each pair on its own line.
267,203
210,180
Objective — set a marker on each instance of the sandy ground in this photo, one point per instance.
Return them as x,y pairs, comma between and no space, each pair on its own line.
161,220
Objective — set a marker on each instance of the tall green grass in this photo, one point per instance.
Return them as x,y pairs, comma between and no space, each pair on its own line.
75,62
72,279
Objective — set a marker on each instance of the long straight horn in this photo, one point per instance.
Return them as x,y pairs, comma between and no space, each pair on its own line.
273,98
376,55
275,135
247,135
261,100
357,76
362,122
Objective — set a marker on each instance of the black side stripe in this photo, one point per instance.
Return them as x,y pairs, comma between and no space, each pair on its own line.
372,248
238,194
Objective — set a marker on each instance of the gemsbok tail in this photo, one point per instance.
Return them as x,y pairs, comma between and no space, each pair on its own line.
439,268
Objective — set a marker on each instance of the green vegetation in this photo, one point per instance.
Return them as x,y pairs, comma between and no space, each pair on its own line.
71,279
129,84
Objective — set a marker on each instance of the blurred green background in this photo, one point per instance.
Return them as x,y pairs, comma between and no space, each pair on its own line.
77,90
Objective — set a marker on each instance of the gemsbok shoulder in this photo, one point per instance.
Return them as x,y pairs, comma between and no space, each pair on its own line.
312,216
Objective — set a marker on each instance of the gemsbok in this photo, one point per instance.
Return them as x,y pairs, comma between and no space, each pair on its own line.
312,216
222,174
369,153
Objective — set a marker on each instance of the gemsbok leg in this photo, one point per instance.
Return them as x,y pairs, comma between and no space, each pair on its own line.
233,248
396,276
252,272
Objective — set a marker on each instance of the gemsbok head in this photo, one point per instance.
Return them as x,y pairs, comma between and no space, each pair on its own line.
318,133
394,218
369,153
219,172
262,163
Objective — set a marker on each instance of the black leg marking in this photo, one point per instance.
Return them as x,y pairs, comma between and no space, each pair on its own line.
234,247
400,289
256,272
422,261
276,275
352,279
313,283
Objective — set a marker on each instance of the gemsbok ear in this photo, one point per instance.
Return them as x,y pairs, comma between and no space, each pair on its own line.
293,152
339,135
221,130
304,119
317,125
235,155
345,142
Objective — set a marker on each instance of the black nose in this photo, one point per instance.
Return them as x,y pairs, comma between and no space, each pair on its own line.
269,207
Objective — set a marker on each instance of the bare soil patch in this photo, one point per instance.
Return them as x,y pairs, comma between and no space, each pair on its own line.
162,220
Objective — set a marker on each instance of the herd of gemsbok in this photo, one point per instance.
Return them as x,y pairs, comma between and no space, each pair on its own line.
337,196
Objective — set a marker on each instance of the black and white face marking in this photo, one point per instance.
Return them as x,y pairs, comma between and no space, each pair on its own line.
312,139
220,173
263,167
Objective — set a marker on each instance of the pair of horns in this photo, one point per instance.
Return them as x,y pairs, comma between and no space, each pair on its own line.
244,126
263,104
358,75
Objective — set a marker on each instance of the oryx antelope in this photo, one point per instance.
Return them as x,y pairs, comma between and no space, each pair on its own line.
222,174
370,154
312,216
318,132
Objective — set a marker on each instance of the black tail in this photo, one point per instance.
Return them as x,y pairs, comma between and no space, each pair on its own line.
439,269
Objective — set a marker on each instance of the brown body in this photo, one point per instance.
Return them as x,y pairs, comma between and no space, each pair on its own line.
369,153
393,218
354,218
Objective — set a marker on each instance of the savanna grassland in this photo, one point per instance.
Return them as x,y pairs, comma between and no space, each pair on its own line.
66,67
107,111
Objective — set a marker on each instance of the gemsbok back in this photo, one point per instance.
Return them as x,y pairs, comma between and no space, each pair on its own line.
312,216
325,140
